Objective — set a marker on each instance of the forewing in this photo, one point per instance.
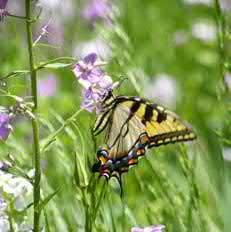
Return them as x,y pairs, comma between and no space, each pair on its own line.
164,126
102,121
104,118
125,129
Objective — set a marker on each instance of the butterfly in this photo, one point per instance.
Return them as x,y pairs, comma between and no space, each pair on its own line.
131,125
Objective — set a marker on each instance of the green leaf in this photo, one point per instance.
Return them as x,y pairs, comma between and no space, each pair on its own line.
57,65
80,175
46,200
60,62
14,73
47,225
52,137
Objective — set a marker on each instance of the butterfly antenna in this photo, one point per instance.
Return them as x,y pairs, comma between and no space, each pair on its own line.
93,138
106,176
122,81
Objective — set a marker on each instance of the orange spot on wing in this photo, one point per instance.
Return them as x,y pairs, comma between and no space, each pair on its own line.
140,152
144,139
132,161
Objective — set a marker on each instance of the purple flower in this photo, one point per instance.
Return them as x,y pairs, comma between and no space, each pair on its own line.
47,87
5,127
3,11
158,228
56,34
87,71
96,9
95,82
92,99
50,32
94,95
3,4
5,165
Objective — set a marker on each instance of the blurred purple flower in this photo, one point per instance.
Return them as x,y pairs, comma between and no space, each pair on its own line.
5,127
3,4
59,10
228,80
96,9
3,11
51,32
55,34
5,165
47,87
158,228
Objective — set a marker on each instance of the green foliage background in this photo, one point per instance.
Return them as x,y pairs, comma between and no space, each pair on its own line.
185,187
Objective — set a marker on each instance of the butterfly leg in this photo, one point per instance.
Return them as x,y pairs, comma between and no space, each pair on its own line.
118,177
106,173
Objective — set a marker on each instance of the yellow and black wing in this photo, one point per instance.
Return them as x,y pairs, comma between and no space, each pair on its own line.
124,119
163,126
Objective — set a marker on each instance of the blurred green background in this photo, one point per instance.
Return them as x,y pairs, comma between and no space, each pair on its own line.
169,52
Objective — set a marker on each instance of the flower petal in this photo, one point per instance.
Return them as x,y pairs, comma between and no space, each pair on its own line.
154,228
5,127
78,69
85,83
105,82
90,59
3,4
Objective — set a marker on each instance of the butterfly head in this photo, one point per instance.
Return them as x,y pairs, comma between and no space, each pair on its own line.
102,157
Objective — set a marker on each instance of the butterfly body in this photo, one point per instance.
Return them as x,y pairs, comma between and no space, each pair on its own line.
110,167
131,126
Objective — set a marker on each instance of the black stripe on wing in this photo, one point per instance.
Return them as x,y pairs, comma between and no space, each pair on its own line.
101,122
135,106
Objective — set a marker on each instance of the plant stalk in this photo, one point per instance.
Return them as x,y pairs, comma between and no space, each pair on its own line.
221,25
35,126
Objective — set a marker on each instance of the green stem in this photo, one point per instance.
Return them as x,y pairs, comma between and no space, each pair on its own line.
221,39
97,205
35,125
10,222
